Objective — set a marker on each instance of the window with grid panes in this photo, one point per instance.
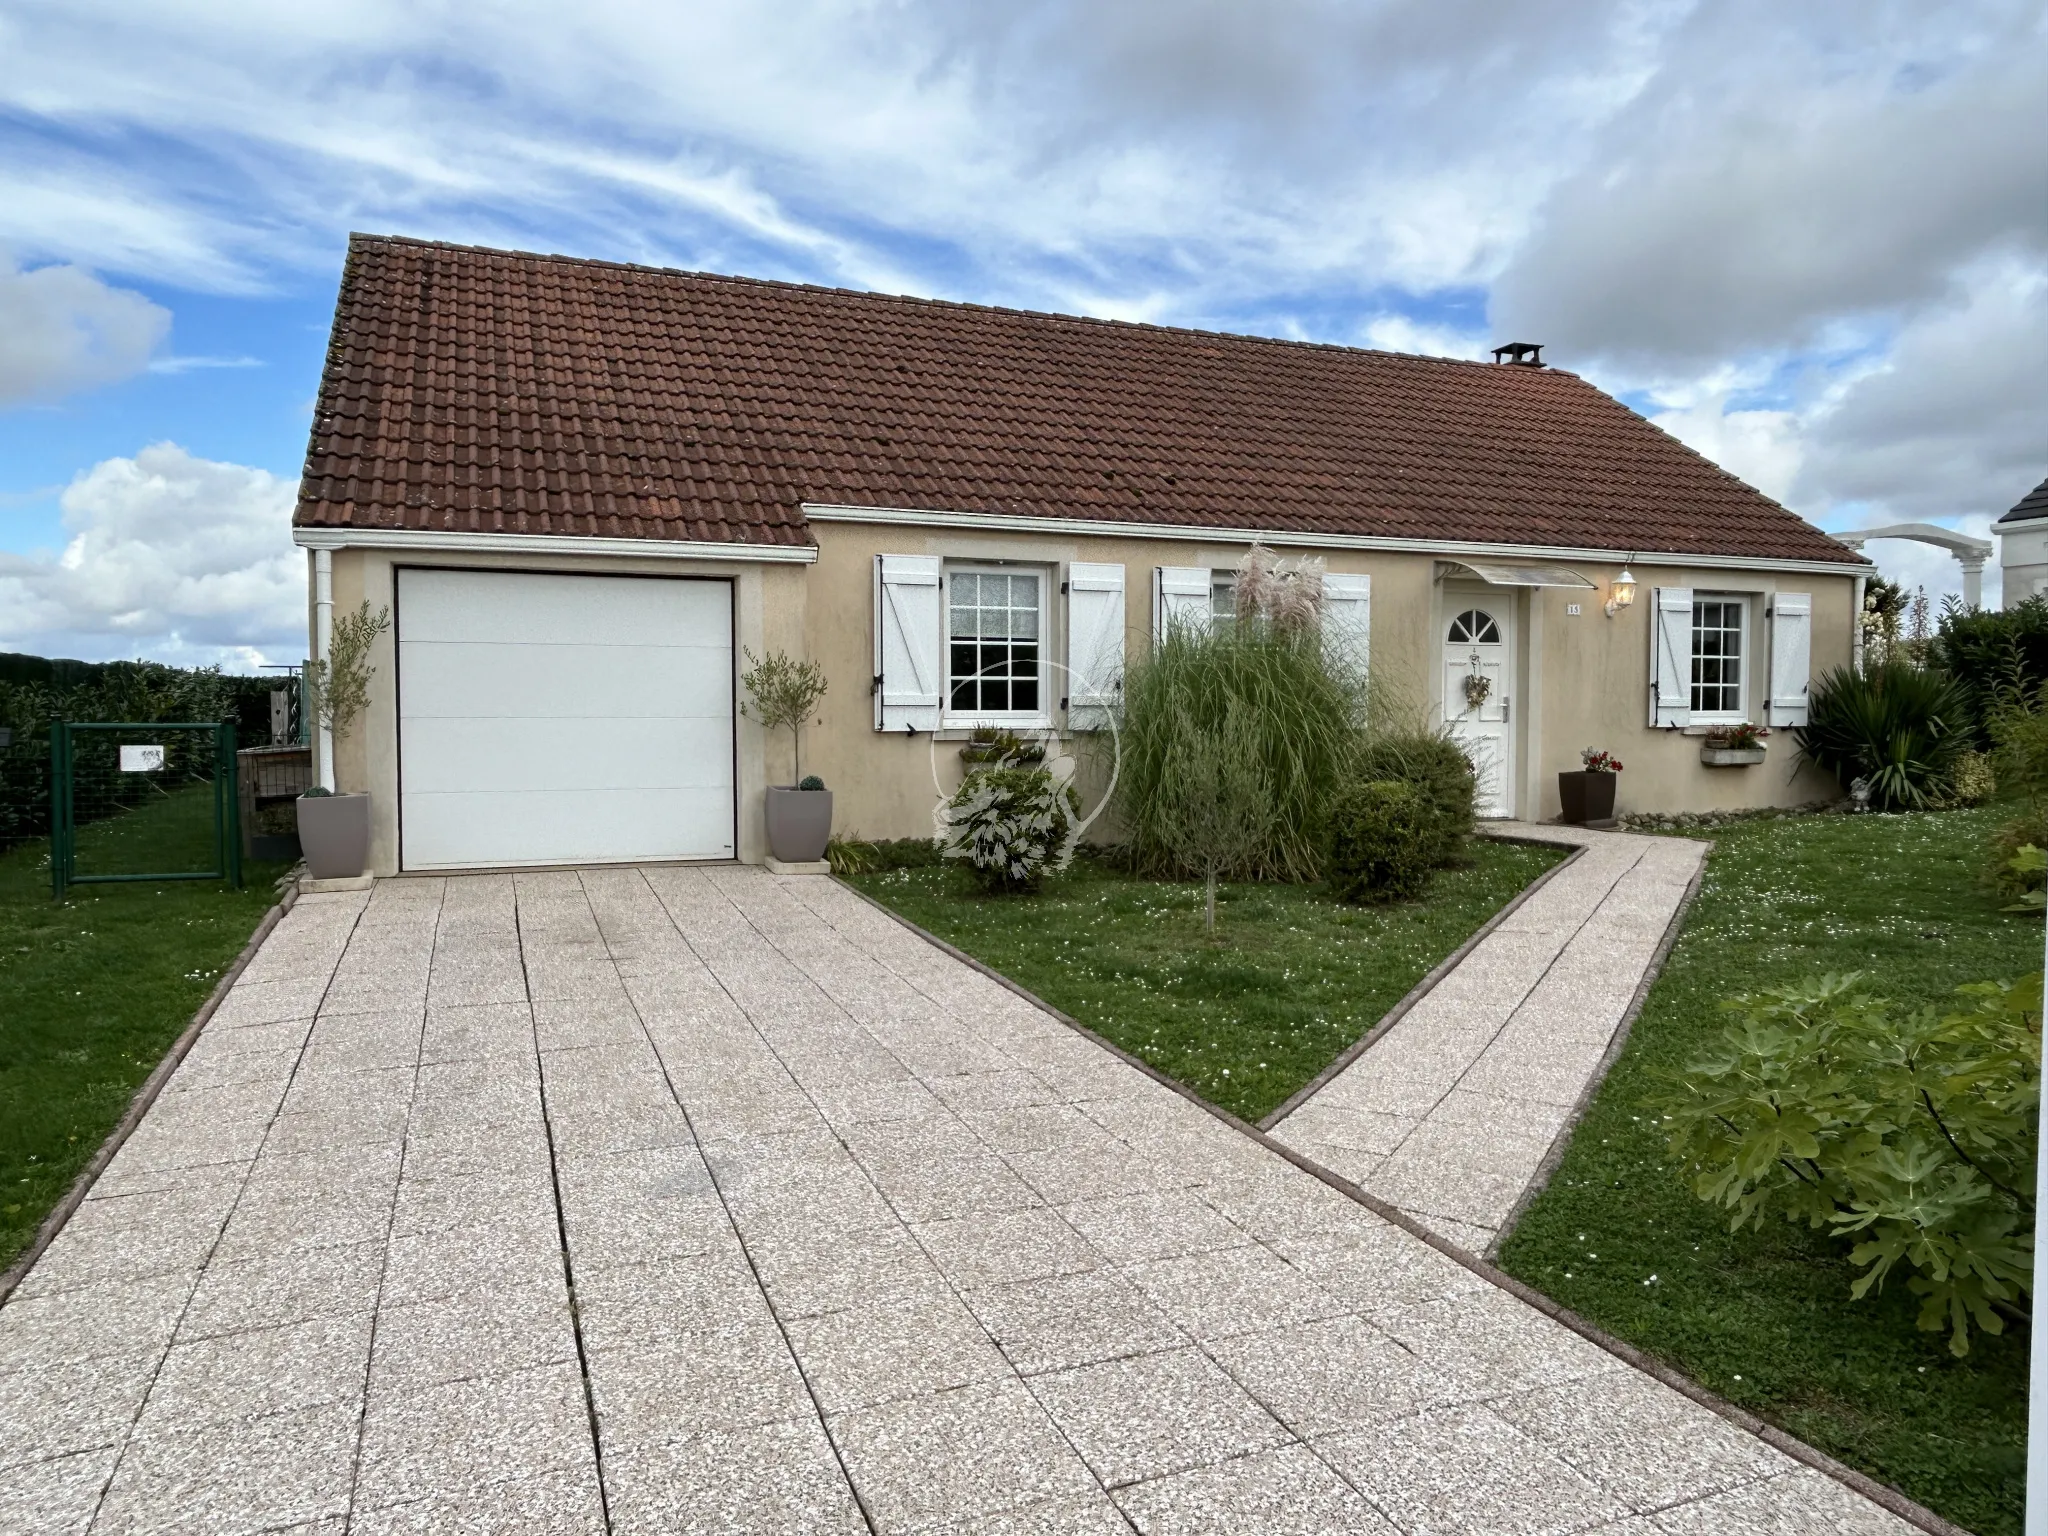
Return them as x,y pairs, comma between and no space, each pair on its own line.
994,621
1717,657
1222,599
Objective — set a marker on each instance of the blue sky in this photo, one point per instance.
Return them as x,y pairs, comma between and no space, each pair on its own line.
1812,241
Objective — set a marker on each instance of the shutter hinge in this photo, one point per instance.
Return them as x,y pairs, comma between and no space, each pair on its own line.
1063,701
1063,589
876,686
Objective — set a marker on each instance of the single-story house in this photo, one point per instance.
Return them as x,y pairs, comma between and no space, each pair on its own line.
585,490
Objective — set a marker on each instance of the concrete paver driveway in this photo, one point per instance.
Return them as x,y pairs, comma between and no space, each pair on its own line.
697,1200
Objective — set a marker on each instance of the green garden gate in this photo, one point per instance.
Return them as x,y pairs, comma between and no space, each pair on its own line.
143,801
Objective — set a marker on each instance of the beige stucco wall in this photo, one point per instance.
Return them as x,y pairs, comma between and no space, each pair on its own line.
1580,680
769,606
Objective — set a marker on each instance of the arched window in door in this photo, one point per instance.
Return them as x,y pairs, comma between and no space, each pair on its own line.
1473,627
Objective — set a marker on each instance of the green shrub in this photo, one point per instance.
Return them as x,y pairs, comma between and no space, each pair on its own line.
1441,775
1971,780
1897,726
2019,744
1301,717
1214,813
853,855
1382,835
1011,826
1913,1133
2028,829
1993,653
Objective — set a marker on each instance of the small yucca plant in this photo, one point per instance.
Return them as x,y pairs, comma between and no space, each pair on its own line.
1896,726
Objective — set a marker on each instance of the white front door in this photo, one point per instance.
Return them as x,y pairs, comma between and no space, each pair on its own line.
550,719
1477,675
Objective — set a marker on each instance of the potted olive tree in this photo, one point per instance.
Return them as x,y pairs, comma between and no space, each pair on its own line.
334,829
784,694
1587,797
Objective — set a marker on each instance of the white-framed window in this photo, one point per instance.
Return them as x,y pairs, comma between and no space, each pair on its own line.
1222,599
1720,658
995,645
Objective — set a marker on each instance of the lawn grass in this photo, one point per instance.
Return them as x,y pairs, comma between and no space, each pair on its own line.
1291,979
95,989
1764,1318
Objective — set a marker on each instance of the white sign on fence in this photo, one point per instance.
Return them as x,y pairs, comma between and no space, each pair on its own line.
141,759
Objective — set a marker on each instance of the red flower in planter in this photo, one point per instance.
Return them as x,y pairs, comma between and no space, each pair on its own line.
1599,762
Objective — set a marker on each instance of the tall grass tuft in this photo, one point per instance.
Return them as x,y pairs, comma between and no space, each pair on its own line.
1295,711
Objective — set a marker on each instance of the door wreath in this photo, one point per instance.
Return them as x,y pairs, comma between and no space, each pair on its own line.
1477,687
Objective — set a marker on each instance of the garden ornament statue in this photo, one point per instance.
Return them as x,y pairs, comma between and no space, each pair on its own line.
1859,795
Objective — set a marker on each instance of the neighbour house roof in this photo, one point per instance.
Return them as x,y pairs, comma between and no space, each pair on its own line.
501,392
2033,504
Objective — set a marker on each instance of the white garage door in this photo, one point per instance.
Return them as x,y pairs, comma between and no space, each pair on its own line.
563,719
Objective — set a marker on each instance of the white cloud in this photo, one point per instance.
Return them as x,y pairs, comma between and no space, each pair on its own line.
63,330
169,556
1762,447
1401,333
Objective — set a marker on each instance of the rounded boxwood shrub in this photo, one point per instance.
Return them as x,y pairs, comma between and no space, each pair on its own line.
1381,836
1440,774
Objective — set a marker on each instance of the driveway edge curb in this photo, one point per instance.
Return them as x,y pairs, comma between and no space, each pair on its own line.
139,1105
1881,1494
1427,985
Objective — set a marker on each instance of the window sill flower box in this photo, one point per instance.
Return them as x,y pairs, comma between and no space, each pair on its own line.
1731,757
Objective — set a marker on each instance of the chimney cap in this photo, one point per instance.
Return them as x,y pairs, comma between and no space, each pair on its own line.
1520,354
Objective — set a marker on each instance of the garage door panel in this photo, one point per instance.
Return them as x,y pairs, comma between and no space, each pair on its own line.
537,608
550,719
566,827
468,679
498,754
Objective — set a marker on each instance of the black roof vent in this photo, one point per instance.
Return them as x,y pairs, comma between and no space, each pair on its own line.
1522,354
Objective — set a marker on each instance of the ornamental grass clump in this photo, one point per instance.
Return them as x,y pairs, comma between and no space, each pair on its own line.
1912,1133
1896,726
1011,826
1298,716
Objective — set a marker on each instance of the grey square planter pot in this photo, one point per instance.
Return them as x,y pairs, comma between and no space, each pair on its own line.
334,832
1731,757
799,823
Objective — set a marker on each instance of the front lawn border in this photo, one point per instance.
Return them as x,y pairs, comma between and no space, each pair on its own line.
1424,987
145,1096
1878,1493
1540,1180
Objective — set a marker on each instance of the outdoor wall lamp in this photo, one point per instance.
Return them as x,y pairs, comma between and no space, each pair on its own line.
1622,594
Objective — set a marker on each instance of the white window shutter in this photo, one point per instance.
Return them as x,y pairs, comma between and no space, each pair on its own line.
1095,644
909,643
1791,656
1180,595
1347,620
1671,657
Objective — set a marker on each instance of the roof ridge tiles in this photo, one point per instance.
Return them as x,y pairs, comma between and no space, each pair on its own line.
924,301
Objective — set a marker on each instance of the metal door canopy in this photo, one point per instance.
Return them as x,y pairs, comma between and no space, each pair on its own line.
1515,575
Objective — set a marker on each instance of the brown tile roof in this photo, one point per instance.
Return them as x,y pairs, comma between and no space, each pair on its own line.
501,392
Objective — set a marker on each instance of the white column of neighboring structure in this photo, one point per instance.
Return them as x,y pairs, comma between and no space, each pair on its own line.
323,635
1973,579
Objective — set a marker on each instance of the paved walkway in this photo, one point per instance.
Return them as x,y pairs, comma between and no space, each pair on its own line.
1451,1113
688,1200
